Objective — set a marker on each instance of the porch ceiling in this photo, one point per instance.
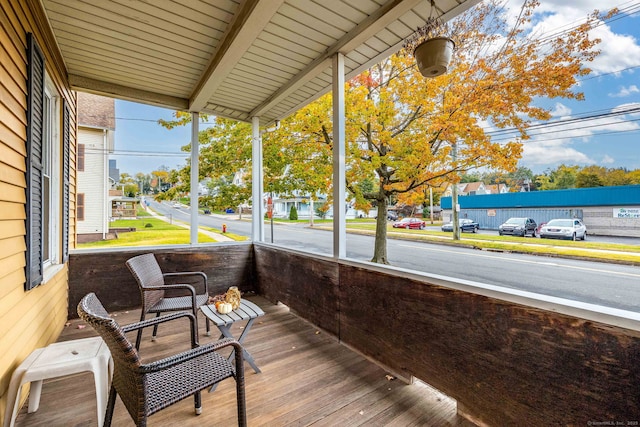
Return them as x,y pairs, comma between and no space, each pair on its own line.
237,59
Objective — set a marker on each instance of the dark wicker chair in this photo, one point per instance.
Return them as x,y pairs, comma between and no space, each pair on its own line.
152,284
148,388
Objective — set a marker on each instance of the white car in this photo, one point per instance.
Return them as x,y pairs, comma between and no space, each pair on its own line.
572,229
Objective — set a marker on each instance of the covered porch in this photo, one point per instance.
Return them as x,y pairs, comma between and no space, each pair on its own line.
504,356
307,378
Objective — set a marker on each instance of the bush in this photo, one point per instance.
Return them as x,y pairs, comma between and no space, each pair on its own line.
148,225
293,213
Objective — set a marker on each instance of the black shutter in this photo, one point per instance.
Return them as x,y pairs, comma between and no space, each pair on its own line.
66,140
35,116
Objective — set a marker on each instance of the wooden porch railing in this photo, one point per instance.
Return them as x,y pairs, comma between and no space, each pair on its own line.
506,363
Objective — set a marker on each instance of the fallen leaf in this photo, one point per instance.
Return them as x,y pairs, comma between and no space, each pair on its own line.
361,412
390,377
66,325
317,332
82,326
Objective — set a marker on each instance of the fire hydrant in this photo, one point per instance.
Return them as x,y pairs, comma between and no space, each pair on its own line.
224,228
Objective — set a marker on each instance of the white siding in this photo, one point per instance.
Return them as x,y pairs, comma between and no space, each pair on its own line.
93,182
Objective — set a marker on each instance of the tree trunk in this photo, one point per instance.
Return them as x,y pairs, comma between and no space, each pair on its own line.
380,246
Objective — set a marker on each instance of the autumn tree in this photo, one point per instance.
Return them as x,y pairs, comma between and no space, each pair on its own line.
402,129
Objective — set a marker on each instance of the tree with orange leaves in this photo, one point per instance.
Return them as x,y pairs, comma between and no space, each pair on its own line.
401,128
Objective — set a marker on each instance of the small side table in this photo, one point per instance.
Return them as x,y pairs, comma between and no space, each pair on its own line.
57,360
247,311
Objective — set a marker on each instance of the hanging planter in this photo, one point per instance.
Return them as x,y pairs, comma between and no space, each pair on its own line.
433,56
431,46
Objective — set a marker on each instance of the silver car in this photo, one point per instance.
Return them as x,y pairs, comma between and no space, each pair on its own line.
572,229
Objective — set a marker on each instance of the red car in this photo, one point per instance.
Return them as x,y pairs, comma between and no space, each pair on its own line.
410,223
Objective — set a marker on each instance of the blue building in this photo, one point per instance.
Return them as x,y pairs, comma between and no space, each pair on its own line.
613,211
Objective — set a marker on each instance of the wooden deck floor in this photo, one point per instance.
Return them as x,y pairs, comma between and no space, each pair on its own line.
307,378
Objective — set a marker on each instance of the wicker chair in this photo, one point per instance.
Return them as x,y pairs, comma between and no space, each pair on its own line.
151,282
147,388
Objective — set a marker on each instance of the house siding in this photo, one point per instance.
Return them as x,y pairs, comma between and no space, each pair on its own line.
36,317
92,182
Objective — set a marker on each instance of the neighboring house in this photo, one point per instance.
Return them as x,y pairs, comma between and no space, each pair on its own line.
96,128
496,189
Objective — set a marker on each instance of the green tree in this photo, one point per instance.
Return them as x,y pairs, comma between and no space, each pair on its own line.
471,177
564,177
585,179
293,213
618,176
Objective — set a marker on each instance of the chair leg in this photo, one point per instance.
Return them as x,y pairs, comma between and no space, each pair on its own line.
110,405
139,336
155,329
208,328
197,398
242,409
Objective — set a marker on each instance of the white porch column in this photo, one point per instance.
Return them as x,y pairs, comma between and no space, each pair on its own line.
195,154
257,211
339,203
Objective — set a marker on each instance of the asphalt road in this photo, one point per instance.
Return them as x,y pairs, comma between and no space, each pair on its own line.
611,285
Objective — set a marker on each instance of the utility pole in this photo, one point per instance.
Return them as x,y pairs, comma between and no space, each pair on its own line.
431,203
454,196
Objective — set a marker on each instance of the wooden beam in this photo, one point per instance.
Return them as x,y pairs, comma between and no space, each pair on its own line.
86,84
253,16
354,38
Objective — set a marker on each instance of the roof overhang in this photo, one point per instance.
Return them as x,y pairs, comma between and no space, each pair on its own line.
236,59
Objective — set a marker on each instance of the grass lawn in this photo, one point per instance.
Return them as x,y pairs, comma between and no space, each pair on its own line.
158,233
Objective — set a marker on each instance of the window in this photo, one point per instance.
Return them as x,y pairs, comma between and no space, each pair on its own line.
80,164
50,173
47,172
80,207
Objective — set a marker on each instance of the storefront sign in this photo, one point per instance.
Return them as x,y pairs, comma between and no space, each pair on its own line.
626,213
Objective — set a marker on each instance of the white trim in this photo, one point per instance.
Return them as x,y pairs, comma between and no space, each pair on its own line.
339,160
257,211
195,154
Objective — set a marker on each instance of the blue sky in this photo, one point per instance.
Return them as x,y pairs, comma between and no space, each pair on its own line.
605,140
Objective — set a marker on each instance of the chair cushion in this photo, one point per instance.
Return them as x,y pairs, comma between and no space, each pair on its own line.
178,303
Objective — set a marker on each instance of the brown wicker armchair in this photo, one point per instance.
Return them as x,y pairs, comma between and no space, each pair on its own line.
148,388
151,281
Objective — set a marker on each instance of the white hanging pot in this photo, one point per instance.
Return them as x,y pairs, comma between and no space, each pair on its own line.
433,56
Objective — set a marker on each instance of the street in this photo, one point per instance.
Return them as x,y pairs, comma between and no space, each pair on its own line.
600,283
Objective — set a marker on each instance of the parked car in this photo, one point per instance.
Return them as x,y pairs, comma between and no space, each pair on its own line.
518,227
409,223
392,216
466,224
572,229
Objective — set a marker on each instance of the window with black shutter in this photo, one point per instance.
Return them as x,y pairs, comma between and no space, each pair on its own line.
34,175
47,171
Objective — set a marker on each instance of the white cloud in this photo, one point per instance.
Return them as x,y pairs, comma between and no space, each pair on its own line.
625,91
607,160
560,110
553,152
617,51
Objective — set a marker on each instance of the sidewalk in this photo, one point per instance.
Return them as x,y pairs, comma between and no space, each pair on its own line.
217,236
